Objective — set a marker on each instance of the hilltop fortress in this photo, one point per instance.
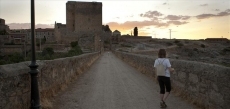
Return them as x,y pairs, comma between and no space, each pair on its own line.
83,24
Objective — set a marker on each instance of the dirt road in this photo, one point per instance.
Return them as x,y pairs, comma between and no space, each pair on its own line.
112,84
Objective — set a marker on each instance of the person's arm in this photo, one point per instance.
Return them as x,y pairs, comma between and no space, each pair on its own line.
154,67
169,67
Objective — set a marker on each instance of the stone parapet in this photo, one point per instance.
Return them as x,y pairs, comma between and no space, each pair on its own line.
54,75
205,85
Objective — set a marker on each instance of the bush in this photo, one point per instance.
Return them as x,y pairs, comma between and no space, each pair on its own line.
176,41
195,49
180,44
227,49
186,41
47,51
169,43
16,57
124,45
202,45
75,51
74,44
13,58
106,42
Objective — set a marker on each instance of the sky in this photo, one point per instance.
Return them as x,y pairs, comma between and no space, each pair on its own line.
187,19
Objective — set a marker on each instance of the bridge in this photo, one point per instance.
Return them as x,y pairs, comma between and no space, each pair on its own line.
112,84
115,80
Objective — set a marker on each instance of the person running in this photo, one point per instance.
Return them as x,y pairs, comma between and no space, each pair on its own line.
163,80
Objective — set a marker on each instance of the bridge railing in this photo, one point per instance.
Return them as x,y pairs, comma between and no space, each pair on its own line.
53,77
205,85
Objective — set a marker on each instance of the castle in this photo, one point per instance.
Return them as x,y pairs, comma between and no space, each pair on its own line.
83,24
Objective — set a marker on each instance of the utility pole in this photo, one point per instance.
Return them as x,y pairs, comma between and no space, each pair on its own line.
155,35
170,33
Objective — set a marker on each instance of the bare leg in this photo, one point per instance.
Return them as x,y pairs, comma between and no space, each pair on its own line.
162,97
165,96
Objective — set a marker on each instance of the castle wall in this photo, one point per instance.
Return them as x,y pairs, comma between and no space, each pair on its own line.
70,15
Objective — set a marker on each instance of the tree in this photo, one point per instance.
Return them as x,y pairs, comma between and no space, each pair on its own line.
74,44
47,51
202,45
135,31
107,29
76,50
4,32
43,40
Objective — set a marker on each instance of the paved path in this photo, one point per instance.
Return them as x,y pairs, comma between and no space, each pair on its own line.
112,84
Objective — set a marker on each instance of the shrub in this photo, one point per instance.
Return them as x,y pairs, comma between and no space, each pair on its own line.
12,58
186,41
227,49
75,51
195,49
106,42
74,44
169,43
180,44
176,41
47,51
202,45
124,45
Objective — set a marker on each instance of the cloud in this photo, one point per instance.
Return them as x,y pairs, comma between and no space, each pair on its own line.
165,3
157,19
177,22
217,10
151,14
175,17
221,14
228,10
204,16
28,25
140,24
204,5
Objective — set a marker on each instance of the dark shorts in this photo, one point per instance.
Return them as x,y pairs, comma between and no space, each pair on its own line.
164,83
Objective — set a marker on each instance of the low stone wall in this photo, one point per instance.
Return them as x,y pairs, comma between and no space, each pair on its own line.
205,85
54,75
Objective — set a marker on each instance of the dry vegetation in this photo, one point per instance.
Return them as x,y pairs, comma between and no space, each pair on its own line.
202,51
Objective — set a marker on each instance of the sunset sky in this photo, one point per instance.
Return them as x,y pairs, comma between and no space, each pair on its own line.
188,19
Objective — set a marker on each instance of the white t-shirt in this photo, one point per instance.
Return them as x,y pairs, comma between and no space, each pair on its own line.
166,64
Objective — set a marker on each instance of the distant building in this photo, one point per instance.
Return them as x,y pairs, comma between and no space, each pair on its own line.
116,36
17,38
47,33
116,33
216,39
3,26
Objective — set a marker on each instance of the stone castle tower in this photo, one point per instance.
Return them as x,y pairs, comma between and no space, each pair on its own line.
84,16
83,24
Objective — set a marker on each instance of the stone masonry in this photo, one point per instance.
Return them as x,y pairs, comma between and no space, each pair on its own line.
83,24
54,75
205,85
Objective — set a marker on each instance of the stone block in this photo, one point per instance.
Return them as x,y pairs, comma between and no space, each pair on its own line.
193,78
